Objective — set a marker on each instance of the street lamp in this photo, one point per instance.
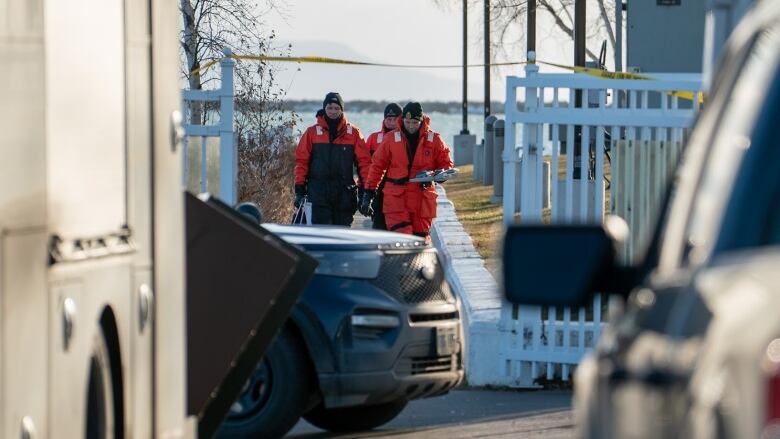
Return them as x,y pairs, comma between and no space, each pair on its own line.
465,109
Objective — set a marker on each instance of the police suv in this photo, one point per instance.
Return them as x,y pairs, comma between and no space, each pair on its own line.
378,326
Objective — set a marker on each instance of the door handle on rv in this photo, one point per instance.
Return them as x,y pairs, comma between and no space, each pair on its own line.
145,304
68,321
28,428
177,131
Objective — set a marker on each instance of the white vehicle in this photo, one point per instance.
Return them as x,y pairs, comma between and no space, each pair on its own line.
97,328
696,354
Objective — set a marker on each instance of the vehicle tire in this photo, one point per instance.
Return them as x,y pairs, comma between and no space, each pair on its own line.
276,395
357,418
99,421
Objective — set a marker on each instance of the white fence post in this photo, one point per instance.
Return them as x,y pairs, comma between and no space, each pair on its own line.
228,156
645,136
531,210
510,154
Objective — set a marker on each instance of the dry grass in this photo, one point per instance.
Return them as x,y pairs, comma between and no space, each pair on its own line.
480,218
266,175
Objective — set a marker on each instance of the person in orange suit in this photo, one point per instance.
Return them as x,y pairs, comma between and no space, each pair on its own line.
324,165
412,148
389,123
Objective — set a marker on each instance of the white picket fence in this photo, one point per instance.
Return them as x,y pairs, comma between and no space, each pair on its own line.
216,162
641,170
643,124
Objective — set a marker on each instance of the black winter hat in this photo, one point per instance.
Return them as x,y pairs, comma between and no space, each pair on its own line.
333,98
392,110
413,110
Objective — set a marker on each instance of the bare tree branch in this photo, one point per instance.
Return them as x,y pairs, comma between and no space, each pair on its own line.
607,23
564,27
264,131
508,18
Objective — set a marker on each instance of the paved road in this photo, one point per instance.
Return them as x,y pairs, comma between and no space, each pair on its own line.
466,414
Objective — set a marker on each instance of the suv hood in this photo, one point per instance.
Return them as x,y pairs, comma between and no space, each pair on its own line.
342,238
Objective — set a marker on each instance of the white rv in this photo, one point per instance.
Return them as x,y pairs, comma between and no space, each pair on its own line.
93,303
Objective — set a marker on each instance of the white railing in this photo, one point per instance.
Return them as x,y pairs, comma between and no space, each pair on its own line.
642,124
534,348
641,171
223,130
645,110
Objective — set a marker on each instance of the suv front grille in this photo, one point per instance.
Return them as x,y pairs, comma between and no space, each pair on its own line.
432,364
401,276
421,318
422,365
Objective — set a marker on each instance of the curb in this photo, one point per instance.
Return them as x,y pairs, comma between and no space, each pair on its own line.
477,289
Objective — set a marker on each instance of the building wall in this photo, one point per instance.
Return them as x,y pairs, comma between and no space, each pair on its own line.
665,35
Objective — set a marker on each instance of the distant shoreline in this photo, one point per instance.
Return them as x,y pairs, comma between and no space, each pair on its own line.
452,107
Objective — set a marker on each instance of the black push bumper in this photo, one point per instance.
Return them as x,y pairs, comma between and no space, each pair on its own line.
430,363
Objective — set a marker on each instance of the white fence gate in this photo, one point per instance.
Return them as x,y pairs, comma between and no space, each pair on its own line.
643,124
218,171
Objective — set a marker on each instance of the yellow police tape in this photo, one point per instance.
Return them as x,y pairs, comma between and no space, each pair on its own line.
324,60
689,95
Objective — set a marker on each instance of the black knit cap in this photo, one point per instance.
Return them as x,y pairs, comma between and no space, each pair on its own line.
333,98
413,110
392,110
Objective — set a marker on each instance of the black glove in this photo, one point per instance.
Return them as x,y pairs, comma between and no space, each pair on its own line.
365,202
361,191
300,194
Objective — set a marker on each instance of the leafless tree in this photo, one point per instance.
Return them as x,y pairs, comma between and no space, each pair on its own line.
264,130
508,23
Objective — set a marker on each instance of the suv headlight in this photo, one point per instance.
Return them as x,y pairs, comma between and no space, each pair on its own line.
351,264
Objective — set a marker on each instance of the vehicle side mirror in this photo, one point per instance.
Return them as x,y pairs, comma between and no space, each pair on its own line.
563,265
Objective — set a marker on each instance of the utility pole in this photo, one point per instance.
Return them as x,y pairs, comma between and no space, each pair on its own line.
487,58
530,32
579,60
618,35
465,129
464,143
579,33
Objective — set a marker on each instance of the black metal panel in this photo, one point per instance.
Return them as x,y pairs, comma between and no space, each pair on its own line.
242,282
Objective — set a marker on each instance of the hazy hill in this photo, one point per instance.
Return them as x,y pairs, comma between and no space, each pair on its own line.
308,81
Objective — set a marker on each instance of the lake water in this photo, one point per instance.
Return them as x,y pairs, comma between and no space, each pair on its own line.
446,124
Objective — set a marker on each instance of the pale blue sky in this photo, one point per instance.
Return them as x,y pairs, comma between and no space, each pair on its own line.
398,32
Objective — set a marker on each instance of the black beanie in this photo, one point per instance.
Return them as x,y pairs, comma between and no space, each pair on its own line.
333,98
392,110
413,110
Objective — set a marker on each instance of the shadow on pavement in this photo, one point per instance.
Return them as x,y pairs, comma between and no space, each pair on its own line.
497,410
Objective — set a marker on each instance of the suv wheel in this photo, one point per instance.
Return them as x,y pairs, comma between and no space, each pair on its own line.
276,395
354,418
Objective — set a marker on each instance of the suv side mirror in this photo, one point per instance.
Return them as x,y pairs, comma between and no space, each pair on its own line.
564,265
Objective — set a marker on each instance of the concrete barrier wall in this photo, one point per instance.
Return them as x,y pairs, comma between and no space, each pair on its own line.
478,291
